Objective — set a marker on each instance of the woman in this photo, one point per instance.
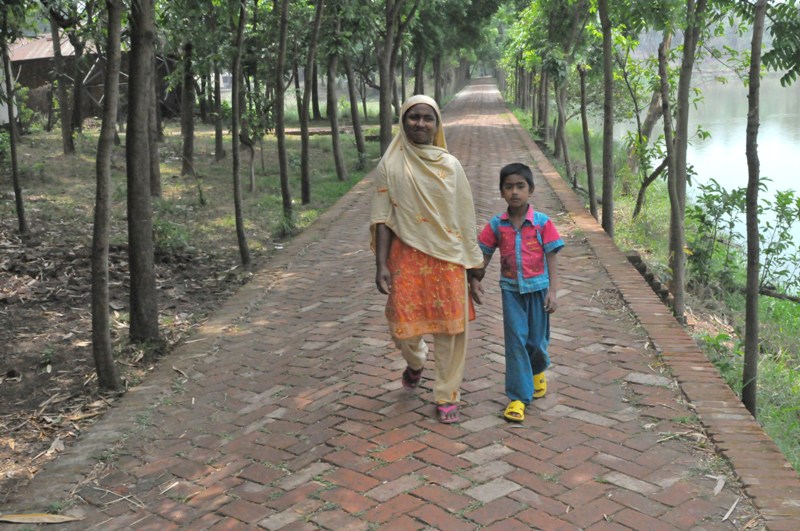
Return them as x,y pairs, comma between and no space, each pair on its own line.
424,237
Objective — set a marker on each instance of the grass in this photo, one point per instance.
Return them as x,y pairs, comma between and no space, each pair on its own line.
779,363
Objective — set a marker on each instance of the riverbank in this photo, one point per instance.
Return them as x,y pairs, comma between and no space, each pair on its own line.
715,315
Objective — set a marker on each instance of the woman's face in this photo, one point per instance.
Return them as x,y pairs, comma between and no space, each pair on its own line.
419,124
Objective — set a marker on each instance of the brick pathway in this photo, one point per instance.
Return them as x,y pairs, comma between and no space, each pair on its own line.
286,411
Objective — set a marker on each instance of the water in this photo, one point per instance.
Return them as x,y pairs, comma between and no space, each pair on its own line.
723,113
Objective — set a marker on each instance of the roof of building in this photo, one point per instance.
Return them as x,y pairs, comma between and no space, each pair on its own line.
38,47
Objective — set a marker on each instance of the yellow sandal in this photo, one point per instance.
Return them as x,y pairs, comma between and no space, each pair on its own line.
539,385
515,412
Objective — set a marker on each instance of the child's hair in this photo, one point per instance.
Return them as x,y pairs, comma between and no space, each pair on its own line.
516,168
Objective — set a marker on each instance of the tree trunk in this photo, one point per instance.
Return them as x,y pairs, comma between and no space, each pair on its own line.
143,300
587,148
608,121
236,108
202,102
651,119
750,371
67,142
557,146
338,158
650,179
316,114
534,100
102,351
305,179
298,92
219,138
419,72
155,159
77,83
355,118
437,77
22,223
187,112
402,74
544,108
280,126
669,141
677,256
385,73
561,103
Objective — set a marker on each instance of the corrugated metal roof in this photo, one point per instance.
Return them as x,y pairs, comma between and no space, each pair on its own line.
39,47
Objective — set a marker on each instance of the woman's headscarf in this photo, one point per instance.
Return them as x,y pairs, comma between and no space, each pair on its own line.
422,194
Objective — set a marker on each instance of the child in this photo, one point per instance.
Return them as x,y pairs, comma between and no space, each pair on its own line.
528,243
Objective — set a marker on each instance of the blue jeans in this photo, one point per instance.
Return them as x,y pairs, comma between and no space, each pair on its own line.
526,327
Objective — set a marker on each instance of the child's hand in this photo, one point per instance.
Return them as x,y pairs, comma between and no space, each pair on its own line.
476,290
550,302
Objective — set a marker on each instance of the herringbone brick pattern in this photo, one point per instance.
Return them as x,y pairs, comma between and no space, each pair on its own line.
286,410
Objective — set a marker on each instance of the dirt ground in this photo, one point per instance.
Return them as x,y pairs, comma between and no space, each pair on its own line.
48,385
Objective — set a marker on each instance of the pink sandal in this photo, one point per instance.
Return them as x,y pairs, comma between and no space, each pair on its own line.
448,413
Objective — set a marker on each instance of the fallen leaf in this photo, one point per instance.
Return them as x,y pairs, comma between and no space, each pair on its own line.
56,446
37,518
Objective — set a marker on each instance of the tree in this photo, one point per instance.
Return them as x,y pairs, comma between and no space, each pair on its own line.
107,375
750,371
143,300
67,142
395,24
303,111
236,101
333,59
608,120
13,17
282,6
695,20
586,146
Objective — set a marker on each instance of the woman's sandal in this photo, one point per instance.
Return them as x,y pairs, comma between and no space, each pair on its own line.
411,378
448,413
515,412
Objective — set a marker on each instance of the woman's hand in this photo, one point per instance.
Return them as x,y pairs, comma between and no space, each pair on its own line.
383,279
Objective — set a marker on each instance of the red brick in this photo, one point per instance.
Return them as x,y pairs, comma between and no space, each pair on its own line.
495,510
441,459
581,474
440,519
350,501
446,445
245,511
351,480
394,508
595,511
637,520
347,459
541,520
585,494
261,474
399,451
442,497
573,457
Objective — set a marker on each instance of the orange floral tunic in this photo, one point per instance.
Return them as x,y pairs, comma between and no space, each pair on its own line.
427,294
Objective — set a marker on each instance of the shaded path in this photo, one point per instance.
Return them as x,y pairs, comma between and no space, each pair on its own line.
286,410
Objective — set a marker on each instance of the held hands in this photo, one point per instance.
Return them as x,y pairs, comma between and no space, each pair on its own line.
475,290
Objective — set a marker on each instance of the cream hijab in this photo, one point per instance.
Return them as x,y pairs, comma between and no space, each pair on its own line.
422,194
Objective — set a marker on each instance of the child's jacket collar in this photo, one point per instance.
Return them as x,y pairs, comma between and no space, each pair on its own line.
528,215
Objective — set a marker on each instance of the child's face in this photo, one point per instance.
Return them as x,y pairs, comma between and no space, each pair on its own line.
515,190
